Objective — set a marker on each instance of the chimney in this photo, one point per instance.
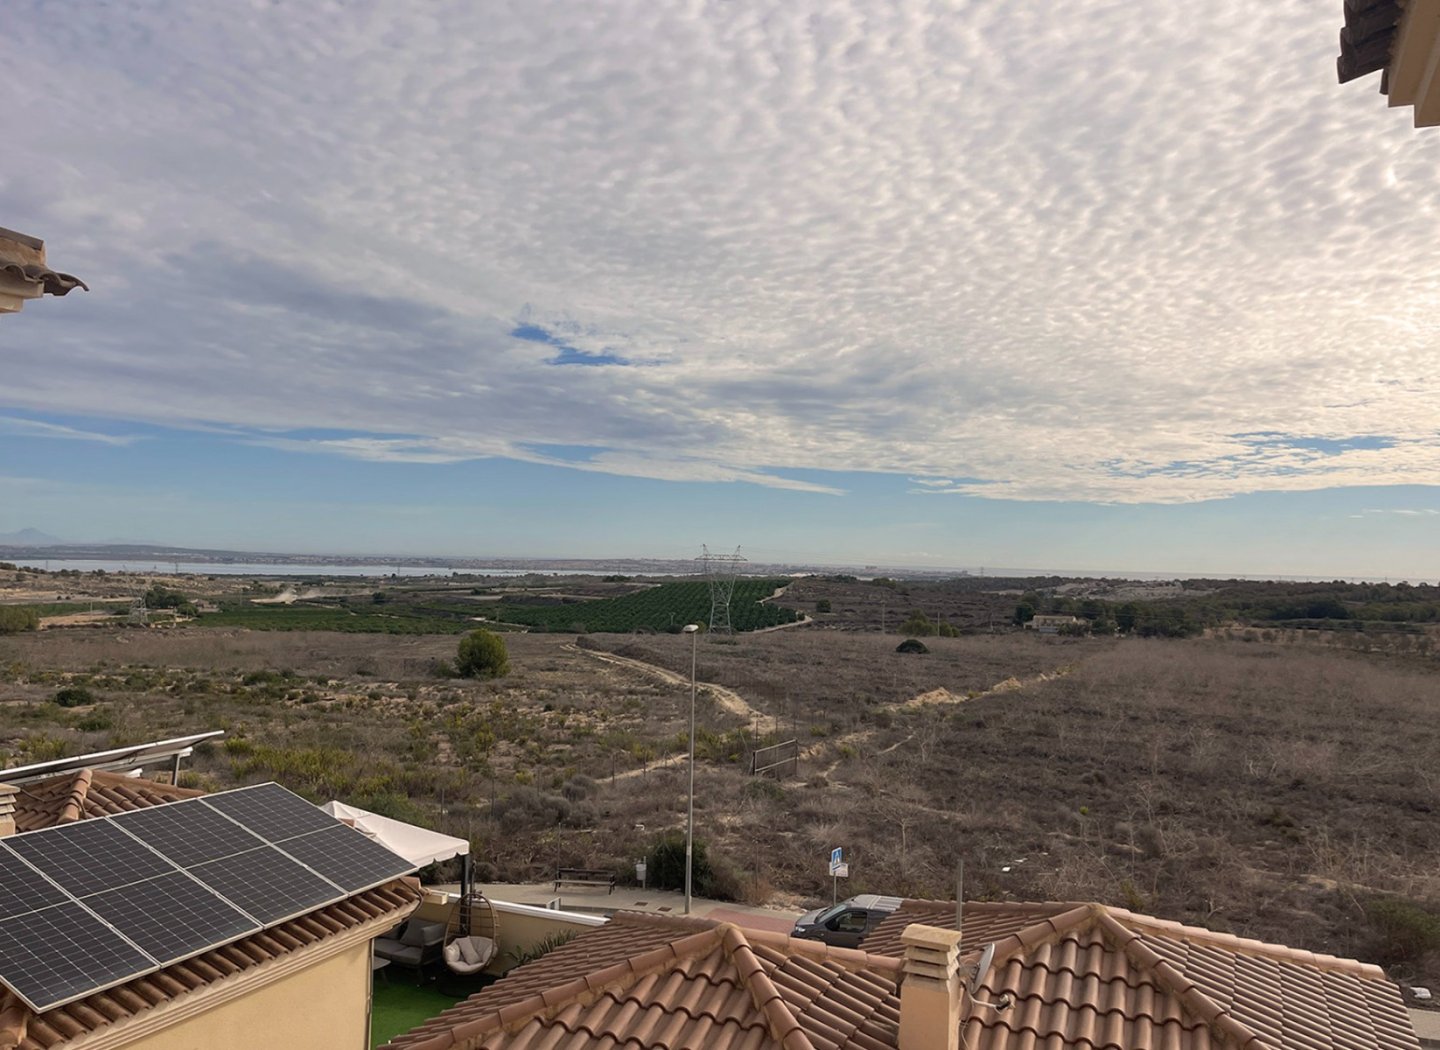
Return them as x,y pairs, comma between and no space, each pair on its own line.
7,809
930,991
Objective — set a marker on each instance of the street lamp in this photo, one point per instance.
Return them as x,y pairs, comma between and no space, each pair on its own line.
693,630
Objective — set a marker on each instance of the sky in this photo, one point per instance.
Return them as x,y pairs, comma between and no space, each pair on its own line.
1098,286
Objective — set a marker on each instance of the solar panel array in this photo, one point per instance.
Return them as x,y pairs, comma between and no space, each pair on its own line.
89,905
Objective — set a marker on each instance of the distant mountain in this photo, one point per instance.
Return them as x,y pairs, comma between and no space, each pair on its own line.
29,538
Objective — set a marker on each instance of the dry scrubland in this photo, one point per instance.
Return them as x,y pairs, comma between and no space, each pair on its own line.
1276,791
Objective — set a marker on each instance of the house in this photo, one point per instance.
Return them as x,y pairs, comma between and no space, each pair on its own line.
1063,976
1401,40
1048,623
24,275
301,982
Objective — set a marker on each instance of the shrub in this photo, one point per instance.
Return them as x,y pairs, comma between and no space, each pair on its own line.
667,864
74,696
530,808
912,645
1405,930
544,946
96,721
578,788
823,605
482,654
15,618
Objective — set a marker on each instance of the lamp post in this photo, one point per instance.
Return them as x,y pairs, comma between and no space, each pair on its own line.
693,630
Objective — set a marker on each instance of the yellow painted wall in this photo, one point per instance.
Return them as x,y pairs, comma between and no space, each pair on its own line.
325,1007
523,932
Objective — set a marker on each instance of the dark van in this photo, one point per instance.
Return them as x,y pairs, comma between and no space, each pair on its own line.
845,924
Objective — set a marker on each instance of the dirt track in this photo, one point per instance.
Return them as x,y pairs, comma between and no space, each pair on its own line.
726,699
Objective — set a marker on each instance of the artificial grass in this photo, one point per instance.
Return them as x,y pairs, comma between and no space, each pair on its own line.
400,1006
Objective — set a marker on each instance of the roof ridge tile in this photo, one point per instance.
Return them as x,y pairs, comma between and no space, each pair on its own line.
1227,1028
783,1024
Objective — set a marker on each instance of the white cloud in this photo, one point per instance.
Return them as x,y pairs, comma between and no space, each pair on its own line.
38,428
1057,252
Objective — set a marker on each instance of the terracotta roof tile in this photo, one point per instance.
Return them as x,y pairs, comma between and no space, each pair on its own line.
647,981
24,257
88,793
1080,976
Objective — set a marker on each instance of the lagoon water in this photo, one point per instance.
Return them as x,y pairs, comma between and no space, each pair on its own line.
267,569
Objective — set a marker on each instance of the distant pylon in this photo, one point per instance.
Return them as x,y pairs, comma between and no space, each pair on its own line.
139,615
720,570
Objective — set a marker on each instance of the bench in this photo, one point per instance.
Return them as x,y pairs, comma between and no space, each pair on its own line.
585,877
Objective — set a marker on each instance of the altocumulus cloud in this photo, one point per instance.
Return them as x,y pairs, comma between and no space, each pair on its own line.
1071,251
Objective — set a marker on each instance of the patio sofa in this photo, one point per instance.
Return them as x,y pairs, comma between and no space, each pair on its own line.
413,943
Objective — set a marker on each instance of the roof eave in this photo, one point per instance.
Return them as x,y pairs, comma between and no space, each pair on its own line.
1413,74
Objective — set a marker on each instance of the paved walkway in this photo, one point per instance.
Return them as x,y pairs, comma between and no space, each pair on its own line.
631,898
1427,1026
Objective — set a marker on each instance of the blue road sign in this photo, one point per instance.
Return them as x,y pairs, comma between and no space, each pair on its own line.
835,860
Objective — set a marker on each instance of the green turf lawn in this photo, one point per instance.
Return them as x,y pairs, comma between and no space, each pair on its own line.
399,1006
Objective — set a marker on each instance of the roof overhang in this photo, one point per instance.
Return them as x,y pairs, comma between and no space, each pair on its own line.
23,273
1400,38
1414,72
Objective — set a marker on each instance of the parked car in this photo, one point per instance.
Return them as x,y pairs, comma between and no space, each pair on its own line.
845,924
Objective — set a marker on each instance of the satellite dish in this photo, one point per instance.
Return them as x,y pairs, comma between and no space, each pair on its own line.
982,969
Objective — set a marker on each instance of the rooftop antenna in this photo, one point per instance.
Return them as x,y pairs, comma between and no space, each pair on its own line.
959,895
982,970
721,570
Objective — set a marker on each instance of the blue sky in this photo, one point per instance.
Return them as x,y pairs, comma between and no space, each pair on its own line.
162,485
1111,286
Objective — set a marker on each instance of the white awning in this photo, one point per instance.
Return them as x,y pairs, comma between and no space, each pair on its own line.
417,845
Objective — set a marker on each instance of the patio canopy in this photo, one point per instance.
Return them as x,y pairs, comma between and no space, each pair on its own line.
415,844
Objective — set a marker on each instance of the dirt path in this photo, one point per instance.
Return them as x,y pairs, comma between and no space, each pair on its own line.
727,699
1009,685
784,626
934,697
653,767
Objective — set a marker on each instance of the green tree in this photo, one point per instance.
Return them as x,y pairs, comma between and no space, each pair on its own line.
482,654
1024,613
158,597
918,624
822,605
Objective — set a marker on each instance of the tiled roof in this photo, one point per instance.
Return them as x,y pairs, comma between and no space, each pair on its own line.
24,257
648,981
1090,976
22,1029
88,793
1367,38
984,922
1081,976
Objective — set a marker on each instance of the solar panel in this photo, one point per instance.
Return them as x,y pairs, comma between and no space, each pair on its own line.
347,858
88,905
270,811
267,884
53,956
89,856
188,832
22,888
171,917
